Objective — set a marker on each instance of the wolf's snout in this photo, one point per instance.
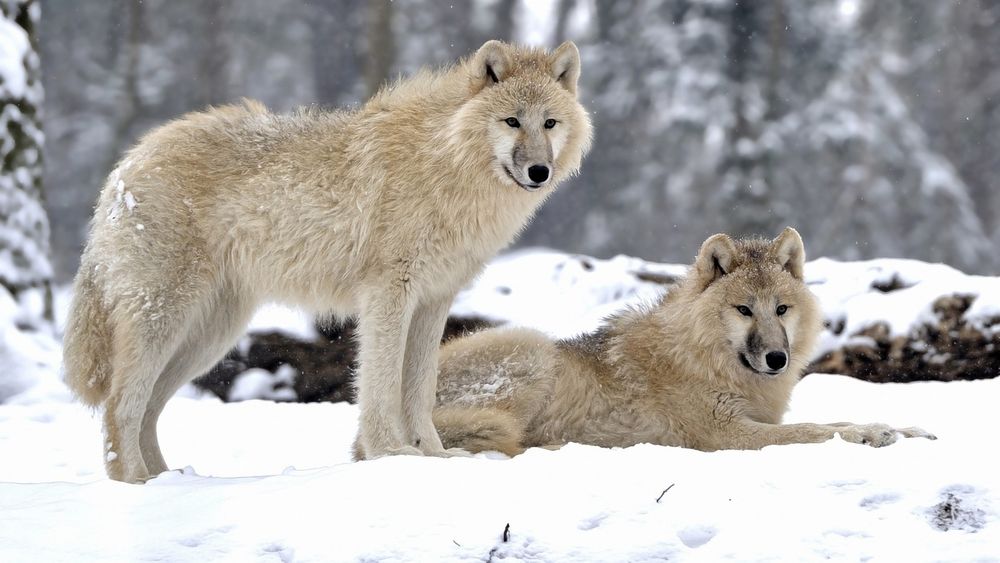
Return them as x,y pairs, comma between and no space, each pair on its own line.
538,173
776,360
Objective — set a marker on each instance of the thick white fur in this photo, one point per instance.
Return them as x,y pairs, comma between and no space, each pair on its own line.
384,213
669,374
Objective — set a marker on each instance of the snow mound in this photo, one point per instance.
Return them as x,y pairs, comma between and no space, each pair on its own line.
561,294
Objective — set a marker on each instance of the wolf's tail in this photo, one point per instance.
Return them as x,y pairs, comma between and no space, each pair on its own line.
479,429
87,343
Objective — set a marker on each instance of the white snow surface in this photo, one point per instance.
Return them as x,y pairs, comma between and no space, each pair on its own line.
273,481
560,294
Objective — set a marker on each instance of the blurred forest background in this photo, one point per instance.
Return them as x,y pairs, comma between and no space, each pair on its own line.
871,126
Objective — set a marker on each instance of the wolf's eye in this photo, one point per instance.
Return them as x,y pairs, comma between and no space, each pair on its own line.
550,123
512,121
781,310
744,310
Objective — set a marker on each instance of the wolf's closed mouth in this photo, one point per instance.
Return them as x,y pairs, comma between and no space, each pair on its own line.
528,187
746,364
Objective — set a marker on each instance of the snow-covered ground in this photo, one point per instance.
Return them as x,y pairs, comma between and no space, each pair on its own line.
273,481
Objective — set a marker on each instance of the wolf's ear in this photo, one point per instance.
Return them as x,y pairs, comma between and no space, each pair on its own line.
715,259
565,65
490,63
790,251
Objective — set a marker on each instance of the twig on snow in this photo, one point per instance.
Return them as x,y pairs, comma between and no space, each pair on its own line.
665,491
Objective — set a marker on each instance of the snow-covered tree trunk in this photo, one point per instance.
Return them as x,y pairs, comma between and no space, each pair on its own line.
24,226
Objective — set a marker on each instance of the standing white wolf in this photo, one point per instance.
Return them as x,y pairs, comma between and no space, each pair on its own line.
384,212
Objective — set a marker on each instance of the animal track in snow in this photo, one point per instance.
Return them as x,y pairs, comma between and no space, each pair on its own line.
196,540
959,509
697,535
871,502
593,521
284,553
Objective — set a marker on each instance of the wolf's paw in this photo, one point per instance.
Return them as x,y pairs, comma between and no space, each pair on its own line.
874,435
916,432
136,474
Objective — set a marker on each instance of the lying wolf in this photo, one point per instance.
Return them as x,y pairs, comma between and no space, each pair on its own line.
383,212
710,367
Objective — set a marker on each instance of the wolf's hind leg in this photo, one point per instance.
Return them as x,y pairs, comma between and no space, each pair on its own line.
210,337
476,429
137,363
166,385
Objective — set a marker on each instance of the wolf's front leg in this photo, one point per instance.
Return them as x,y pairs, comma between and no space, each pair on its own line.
420,376
908,432
748,434
383,326
877,434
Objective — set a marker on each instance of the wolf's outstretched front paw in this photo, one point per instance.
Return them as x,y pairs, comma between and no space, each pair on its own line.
916,432
874,435
877,435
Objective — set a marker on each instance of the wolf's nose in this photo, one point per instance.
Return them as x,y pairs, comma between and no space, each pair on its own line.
775,360
538,173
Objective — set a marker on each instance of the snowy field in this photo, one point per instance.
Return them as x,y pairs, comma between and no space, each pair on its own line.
266,481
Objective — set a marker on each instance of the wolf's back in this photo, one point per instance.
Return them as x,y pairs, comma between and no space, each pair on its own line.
87,343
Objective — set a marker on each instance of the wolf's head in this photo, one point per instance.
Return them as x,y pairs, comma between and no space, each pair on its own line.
523,114
751,305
